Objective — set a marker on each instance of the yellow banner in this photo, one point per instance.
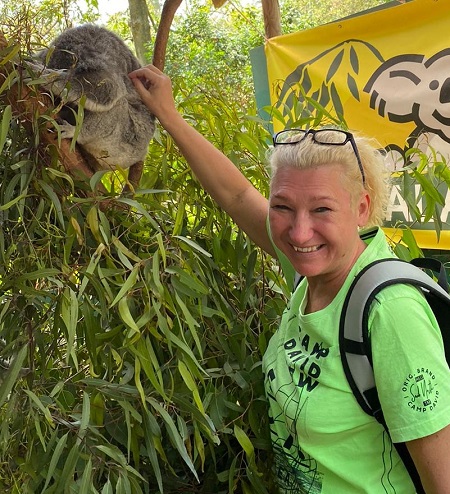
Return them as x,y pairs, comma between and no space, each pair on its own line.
386,73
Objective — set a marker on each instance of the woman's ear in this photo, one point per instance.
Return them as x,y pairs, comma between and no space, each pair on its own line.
363,209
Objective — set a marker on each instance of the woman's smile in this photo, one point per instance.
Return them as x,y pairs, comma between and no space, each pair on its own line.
305,250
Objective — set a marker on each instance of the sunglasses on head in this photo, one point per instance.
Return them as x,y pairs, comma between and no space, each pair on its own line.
325,137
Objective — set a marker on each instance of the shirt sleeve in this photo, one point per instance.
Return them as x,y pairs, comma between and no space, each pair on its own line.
411,373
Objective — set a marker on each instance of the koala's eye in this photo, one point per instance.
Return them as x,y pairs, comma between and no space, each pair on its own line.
434,85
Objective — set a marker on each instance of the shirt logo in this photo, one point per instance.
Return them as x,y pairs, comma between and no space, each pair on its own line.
420,390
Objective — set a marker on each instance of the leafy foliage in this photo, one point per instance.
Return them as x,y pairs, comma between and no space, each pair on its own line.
206,42
132,329
297,15
37,22
424,184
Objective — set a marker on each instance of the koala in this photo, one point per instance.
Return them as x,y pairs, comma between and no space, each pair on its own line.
93,62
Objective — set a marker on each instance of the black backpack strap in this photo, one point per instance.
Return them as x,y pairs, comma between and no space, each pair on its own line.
354,341
433,265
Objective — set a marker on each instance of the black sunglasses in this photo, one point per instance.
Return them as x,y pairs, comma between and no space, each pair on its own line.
326,137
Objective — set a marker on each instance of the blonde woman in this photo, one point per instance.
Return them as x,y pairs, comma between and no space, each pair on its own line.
326,186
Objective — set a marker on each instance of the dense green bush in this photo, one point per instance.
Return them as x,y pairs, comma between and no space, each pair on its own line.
132,328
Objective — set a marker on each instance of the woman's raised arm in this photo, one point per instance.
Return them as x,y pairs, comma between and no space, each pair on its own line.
217,174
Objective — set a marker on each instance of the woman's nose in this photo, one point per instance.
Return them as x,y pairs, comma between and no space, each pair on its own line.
301,230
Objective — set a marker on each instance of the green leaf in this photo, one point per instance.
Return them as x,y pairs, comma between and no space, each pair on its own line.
140,209
137,380
11,203
91,267
189,280
192,323
244,441
174,434
69,314
56,456
114,453
9,80
12,374
411,242
86,479
193,244
55,201
96,178
93,223
159,289
146,355
10,54
127,252
85,417
65,176
179,218
429,188
127,286
66,477
126,316
4,126
41,406
107,488
190,383
249,142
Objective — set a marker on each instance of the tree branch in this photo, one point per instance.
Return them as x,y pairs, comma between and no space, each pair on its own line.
162,36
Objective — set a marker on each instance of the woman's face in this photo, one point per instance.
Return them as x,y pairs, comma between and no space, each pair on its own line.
313,221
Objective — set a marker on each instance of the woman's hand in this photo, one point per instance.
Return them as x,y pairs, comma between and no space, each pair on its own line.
155,90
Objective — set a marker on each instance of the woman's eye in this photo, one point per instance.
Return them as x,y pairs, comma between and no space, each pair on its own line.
280,207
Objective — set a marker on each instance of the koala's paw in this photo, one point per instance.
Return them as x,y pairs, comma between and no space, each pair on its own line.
66,130
51,79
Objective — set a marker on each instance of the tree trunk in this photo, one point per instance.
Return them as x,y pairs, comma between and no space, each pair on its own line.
271,14
140,29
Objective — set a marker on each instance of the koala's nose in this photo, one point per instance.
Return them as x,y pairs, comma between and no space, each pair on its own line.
444,96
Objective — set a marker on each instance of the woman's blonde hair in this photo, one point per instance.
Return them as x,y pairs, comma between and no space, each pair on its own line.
309,154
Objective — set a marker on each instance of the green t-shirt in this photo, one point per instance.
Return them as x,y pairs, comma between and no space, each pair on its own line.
323,441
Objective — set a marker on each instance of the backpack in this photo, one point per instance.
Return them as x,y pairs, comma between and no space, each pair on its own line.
353,329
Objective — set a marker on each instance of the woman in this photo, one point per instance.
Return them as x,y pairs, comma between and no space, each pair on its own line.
326,185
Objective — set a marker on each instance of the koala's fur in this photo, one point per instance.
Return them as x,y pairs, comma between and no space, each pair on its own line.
92,61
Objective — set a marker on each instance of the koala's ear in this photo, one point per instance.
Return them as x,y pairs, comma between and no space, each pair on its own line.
393,86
